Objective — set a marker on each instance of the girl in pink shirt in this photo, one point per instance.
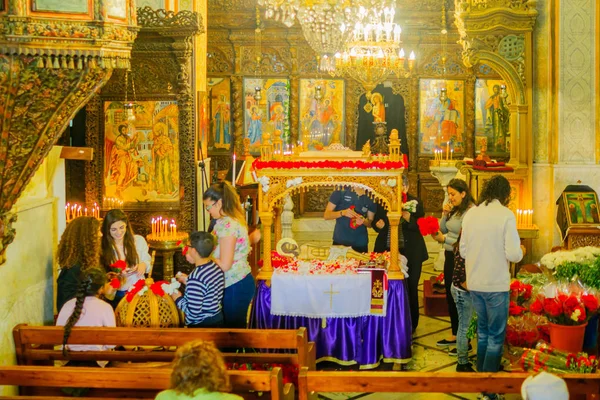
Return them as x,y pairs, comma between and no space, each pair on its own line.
87,309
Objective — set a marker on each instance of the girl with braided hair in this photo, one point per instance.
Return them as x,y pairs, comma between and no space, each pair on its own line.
78,250
87,309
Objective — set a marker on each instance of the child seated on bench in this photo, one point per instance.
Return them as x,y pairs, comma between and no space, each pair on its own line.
203,298
86,309
199,373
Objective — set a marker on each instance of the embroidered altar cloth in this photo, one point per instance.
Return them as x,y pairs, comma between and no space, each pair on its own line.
321,296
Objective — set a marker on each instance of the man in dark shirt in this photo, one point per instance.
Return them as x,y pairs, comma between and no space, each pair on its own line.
353,211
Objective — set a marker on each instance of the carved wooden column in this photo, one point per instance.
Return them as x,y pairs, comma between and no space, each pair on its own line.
277,223
266,218
294,96
237,105
394,270
469,133
413,127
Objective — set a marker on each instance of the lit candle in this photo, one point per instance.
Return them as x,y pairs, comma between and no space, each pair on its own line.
152,224
451,154
447,151
233,176
518,218
67,211
85,212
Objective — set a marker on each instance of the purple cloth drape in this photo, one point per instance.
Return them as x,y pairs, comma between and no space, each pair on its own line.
362,340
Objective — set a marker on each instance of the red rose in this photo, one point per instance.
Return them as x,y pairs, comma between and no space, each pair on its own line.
526,291
184,250
119,264
404,197
570,304
515,309
115,283
590,302
536,307
552,307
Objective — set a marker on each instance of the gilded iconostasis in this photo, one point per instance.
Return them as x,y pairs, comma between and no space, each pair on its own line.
440,105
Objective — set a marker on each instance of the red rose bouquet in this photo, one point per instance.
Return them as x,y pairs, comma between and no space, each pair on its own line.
521,331
520,292
566,308
428,225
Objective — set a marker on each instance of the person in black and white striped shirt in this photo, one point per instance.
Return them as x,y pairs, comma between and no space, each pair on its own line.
203,298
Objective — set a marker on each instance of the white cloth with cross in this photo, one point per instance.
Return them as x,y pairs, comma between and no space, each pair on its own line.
321,296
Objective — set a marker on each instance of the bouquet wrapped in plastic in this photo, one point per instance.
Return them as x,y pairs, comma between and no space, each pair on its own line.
546,358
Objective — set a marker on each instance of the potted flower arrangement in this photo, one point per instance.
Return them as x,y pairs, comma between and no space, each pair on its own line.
568,313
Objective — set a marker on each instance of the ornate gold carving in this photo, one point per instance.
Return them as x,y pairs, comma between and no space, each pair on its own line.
294,98
271,63
219,60
37,104
430,64
148,17
482,5
316,200
576,241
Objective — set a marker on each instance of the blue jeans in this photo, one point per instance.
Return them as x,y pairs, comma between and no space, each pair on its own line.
236,302
464,306
492,314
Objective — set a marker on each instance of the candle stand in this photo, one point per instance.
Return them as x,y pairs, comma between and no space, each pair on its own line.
166,247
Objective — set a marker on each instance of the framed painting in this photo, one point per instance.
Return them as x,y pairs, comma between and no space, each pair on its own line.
219,109
322,116
61,6
141,154
581,208
117,8
267,112
492,117
441,115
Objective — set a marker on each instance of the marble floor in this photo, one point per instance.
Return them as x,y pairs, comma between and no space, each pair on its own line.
427,357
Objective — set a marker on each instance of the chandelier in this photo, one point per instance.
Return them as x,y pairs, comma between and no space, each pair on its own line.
374,51
326,24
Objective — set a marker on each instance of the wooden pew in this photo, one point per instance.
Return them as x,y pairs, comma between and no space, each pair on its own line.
34,344
311,382
115,382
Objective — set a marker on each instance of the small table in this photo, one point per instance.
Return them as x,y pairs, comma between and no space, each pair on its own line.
166,248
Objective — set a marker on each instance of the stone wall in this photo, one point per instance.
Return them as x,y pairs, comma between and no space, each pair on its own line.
28,274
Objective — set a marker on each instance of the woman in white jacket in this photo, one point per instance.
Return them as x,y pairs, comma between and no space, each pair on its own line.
119,243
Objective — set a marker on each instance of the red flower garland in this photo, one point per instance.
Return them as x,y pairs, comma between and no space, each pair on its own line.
157,289
345,164
139,285
428,225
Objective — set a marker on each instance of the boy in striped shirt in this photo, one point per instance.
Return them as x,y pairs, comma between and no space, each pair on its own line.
203,298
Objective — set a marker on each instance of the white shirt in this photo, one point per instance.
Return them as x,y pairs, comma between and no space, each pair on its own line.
489,241
144,257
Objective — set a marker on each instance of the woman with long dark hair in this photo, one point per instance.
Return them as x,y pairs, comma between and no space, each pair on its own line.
78,250
87,309
459,202
231,254
120,243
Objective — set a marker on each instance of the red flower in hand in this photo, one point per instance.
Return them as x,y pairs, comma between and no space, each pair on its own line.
119,264
115,283
404,197
184,250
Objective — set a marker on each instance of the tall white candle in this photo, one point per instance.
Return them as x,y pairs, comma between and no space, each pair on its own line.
233,177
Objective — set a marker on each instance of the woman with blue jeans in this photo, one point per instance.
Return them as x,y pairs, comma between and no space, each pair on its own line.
231,254
464,306
459,202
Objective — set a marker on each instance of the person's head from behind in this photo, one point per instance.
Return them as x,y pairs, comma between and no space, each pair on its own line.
116,230
201,246
199,365
497,188
221,199
544,386
459,195
405,183
80,244
92,282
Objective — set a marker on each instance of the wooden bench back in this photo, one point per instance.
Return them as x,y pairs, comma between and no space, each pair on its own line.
32,342
151,380
310,382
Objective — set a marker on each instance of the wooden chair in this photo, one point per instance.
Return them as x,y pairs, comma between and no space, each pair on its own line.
34,345
46,382
312,382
